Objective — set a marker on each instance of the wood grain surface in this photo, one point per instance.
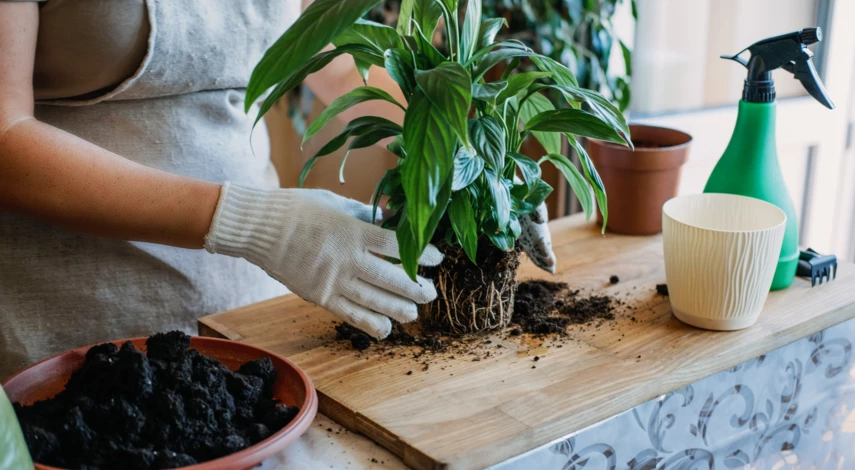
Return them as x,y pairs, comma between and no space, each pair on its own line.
465,413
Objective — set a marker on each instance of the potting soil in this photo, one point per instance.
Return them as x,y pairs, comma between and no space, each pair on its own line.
169,408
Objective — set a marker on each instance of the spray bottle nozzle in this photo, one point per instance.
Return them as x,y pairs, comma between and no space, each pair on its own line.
789,52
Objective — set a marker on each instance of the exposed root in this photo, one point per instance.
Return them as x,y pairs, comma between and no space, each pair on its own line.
471,298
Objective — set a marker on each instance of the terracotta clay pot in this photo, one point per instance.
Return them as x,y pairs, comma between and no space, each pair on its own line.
292,387
638,182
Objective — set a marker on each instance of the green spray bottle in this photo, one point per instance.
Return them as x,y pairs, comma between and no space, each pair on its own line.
750,165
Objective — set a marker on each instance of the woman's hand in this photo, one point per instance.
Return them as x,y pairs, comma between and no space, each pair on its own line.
324,248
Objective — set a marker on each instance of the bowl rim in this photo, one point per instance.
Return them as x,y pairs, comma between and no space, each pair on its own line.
245,458
753,200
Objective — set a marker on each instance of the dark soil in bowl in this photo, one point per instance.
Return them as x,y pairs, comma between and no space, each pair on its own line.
168,408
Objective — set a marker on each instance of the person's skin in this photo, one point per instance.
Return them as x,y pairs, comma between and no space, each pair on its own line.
54,176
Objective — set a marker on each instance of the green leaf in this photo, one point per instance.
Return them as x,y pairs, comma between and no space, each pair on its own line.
501,195
529,199
471,28
576,180
519,82
493,58
407,246
462,216
561,74
313,65
319,25
534,105
430,143
574,121
488,91
411,250
427,49
490,27
364,141
13,448
593,178
449,88
601,107
502,241
342,103
488,139
390,180
357,127
425,13
506,44
378,37
529,169
405,17
467,167
627,57
399,65
397,147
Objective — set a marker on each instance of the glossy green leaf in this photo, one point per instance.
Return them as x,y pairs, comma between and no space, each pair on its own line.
601,107
364,141
529,168
357,127
534,105
505,44
426,49
430,143
407,246
405,17
488,91
593,178
490,27
531,198
561,74
574,121
488,138
501,195
425,13
378,37
399,65
342,103
627,57
13,449
319,25
575,179
388,183
468,166
449,87
462,216
313,65
519,82
493,58
471,29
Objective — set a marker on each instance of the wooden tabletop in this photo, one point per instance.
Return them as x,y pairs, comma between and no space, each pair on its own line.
465,413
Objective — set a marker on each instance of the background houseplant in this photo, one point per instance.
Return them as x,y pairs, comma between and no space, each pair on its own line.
460,181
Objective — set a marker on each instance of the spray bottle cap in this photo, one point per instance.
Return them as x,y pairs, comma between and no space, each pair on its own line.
788,51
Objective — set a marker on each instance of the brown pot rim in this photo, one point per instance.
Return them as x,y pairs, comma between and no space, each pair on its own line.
687,143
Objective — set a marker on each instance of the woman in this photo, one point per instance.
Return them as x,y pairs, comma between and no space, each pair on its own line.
119,122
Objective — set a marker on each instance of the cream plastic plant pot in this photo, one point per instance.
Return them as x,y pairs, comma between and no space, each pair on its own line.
721,251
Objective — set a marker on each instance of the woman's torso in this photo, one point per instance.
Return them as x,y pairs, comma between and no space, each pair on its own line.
165,90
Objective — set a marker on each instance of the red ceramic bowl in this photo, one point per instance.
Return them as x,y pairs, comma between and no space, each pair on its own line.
293,387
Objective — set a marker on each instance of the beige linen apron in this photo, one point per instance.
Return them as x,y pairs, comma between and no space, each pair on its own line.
182,112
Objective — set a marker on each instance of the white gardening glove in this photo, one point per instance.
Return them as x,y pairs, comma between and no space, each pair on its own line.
536,240
320,246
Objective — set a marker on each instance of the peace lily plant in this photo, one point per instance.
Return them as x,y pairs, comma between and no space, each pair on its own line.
460,180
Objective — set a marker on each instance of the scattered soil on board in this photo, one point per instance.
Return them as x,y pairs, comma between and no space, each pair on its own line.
169,408
543,311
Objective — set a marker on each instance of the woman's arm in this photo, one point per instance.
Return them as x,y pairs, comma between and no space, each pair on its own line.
55,176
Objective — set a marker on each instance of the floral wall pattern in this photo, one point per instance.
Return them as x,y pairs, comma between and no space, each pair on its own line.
793,408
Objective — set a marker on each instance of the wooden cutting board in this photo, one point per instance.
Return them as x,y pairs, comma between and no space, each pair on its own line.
464,414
